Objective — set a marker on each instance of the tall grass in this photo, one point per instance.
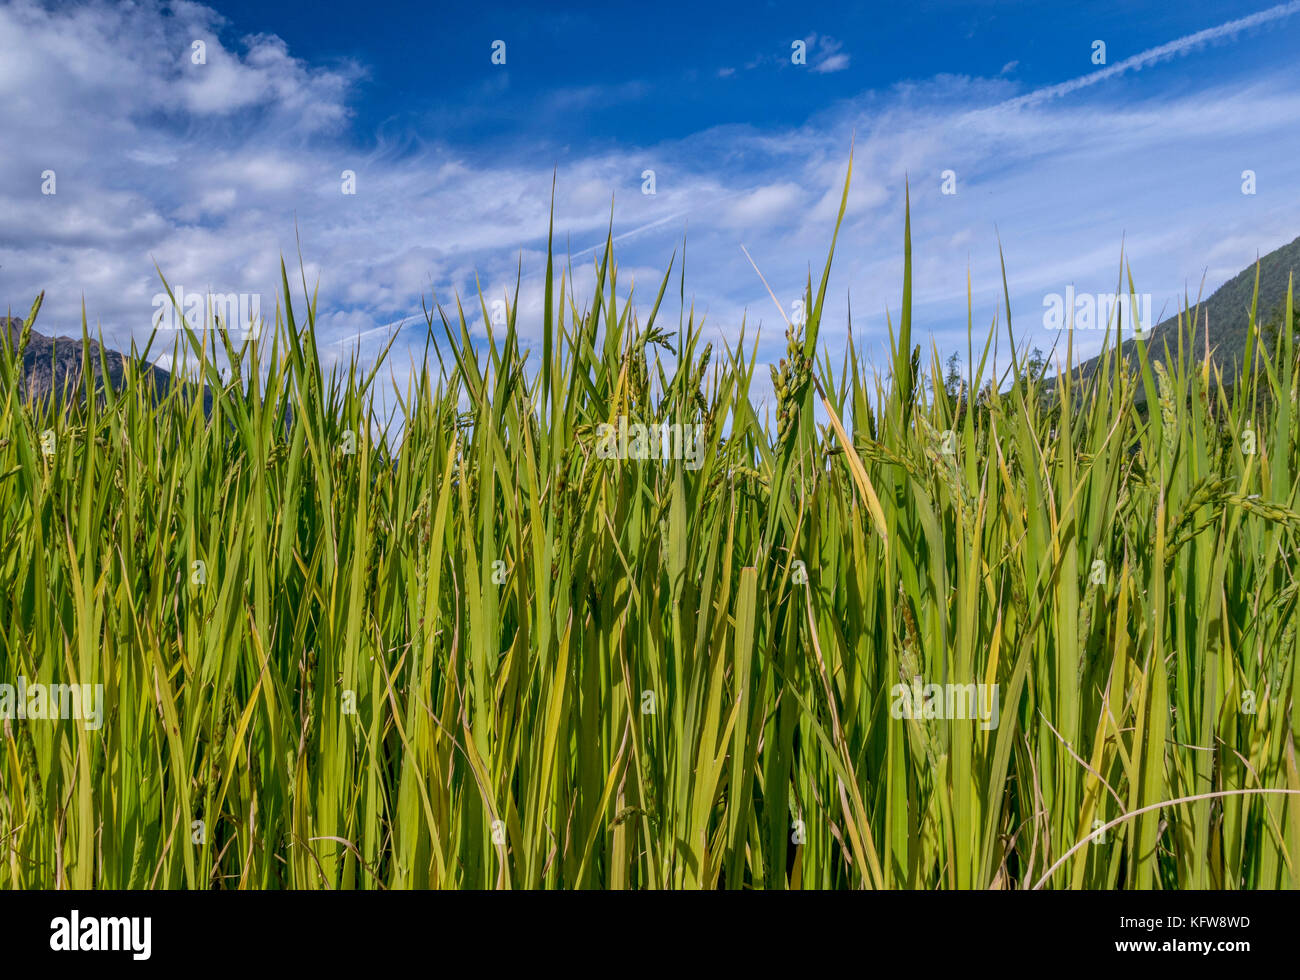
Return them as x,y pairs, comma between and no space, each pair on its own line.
424,662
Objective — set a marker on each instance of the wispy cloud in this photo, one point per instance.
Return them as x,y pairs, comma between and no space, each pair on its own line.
586,96
829,56
1152,56
216,185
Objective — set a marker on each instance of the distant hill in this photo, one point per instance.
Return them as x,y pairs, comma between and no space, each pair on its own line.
1228,313
55,363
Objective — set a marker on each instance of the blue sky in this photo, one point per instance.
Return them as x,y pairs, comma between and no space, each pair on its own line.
642,75
213,170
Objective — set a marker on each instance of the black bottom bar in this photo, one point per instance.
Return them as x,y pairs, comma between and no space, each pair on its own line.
337,930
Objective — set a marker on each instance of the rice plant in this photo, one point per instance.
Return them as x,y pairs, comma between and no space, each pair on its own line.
463,649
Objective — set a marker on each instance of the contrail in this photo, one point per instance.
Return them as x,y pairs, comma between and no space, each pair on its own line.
1137,62
1149,57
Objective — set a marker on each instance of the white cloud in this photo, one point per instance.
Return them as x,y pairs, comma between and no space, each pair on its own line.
828,55
834,62
217,186
764,206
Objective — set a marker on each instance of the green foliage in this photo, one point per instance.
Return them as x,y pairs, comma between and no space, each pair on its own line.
1226,318
478,655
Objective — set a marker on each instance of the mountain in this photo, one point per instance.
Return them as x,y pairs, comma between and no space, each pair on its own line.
1226,314
55,363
